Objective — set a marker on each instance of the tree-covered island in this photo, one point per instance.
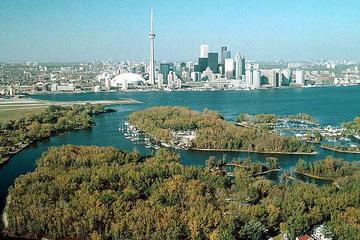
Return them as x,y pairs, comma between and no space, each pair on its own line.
89,192
208,130
17,134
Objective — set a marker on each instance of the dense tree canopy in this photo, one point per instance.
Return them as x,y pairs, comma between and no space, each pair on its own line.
212,131
353,127
54,119
330,167
104,193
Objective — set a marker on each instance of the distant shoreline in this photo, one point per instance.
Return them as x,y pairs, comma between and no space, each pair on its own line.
251,151
339,150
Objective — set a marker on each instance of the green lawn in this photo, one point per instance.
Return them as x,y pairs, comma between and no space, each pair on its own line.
17,112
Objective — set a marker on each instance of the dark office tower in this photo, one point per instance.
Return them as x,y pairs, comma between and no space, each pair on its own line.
196,68
203,64
243,65
223,52
213,62
165,68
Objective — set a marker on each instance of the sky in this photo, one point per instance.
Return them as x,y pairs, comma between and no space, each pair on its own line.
86,30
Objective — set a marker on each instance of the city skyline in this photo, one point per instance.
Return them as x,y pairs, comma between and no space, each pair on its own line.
83,31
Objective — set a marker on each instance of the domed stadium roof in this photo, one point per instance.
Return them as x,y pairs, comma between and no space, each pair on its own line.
129,78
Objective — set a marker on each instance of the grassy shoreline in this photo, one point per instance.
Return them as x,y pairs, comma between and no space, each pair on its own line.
252,151
315,176
14,108
339,150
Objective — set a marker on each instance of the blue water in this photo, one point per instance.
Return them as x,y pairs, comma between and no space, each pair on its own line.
331,106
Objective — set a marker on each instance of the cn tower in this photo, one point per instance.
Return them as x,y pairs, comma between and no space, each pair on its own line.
152,50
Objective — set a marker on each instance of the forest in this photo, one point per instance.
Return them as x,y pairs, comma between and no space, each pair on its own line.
90,192
15,134
329,167
353,127
212,131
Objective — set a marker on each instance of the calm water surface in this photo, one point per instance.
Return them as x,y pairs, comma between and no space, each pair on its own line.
331,106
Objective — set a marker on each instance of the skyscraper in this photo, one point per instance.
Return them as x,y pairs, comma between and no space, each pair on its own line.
238,66
243,64
204,50
225,53
299,77
229,68
213,62
165,68
249,78
256,79
203,64
152,51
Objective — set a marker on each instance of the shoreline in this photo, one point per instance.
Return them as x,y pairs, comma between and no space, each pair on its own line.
315,176
12,154
339,150
4,217
251,151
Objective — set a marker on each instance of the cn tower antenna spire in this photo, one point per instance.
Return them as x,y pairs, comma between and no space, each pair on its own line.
152,50
152,21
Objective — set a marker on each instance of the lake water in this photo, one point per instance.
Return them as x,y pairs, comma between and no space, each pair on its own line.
331,106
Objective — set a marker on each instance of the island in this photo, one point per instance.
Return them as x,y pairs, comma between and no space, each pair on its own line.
208,131
329,168
342,149
90,192
352,128
15,135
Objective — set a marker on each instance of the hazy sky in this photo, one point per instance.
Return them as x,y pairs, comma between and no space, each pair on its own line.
73,30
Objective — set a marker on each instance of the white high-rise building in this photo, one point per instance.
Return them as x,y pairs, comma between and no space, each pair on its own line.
299,77
204,50
229,68
152,51
107,84
238,66
160,79
256,79
249,78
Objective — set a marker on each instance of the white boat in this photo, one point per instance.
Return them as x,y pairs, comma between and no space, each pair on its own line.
357,137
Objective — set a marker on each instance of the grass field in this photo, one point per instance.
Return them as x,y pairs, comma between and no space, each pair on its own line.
17,112
15,108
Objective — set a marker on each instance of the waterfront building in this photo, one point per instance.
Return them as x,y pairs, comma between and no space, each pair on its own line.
165,68
239,71
299,77
207,74
203,64
160,80
97,88
195,76
256,78
213,62
125,80
152,51
249,78
243,66
225,53
229,68
287,74
271,74
204,51
107,84
53,87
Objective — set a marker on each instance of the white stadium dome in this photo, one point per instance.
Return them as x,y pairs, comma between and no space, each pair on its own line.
127,79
